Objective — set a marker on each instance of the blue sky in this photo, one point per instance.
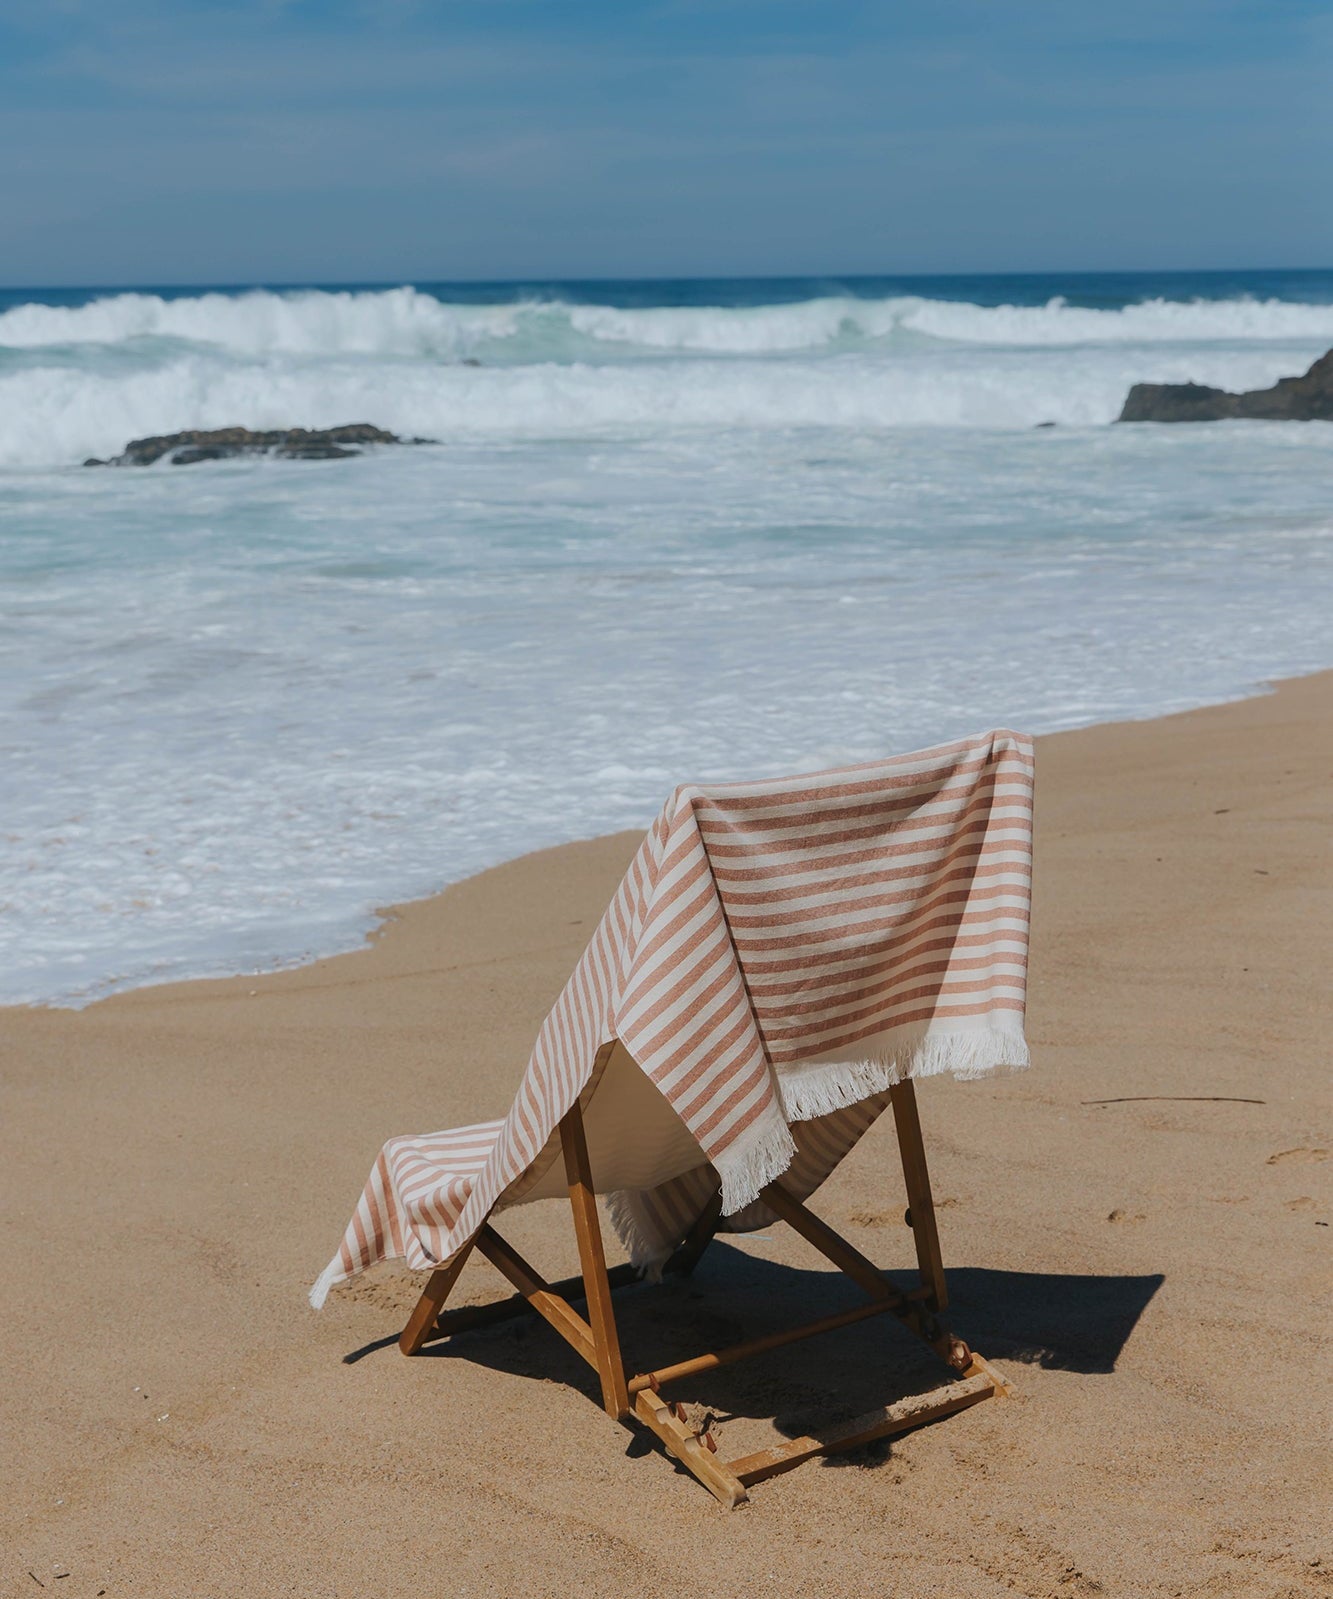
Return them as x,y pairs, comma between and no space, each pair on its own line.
310,140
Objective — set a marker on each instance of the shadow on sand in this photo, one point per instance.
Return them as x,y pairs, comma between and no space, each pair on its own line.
1056,1321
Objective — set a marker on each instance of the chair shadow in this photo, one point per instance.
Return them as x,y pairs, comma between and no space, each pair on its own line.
1055,1321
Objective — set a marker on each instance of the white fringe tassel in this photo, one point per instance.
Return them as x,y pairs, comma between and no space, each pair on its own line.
332,1273
820,1089
647,1254
763,1155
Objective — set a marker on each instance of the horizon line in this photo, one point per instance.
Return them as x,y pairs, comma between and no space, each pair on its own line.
539,279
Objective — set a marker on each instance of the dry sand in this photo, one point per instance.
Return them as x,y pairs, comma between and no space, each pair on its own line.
1152,1274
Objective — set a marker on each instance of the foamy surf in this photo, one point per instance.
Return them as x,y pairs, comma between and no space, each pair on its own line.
79,380
406,321
242,704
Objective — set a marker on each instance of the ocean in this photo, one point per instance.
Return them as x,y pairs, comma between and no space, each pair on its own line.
668,531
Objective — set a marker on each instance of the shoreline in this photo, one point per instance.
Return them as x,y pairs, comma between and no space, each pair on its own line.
1136,1231
374,921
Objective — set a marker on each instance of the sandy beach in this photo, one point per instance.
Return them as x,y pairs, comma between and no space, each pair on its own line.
1138,1230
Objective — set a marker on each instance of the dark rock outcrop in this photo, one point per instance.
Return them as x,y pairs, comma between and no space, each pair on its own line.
221,444
1308,398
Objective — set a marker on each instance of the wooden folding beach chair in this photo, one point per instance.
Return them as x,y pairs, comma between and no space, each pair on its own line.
780,961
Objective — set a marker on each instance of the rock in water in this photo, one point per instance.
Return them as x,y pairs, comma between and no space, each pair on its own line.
1176,402
318,452
220,444
1308,398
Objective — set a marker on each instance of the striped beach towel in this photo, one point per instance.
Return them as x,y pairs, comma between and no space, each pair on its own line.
777,956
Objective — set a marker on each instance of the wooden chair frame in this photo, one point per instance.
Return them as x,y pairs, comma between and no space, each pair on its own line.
639,1398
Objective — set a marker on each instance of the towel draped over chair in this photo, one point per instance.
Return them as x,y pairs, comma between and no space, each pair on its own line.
778,955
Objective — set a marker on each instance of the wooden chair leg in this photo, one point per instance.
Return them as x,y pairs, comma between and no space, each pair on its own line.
423,1318
592,1261
915,1309
597,1340
691,1449
921,1206
698,1238
846,1257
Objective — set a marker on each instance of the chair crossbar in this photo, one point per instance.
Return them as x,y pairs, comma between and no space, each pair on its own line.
901,1416
755,1346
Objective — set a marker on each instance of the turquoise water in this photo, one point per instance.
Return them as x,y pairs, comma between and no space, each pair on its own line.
669,531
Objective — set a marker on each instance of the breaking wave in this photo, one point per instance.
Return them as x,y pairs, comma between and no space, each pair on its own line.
80,380
411,322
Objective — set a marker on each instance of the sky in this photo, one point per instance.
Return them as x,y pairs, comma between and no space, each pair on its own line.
290,141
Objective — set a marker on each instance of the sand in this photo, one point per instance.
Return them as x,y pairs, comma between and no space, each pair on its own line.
1151,1273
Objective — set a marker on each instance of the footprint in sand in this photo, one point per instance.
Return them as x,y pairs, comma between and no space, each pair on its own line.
1303,1203
1297,1156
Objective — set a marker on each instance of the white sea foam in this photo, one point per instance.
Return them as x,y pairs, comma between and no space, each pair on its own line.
80,381
243,704
380,322
814,323
52,412
409,322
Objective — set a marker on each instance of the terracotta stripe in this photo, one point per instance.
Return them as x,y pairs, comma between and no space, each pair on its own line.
968,906
903,845
906,884
818,795
837,1006
789,832
814,980
797,1043
911,1018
